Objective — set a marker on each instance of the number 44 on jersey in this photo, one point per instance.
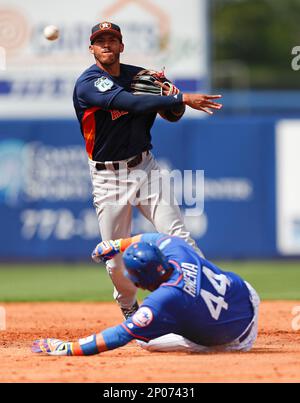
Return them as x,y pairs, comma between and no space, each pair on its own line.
214,303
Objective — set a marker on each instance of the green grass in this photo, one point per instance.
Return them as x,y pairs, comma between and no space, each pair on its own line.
65,282
56,282
272,280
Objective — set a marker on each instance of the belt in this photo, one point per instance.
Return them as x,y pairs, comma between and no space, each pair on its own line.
246,334
100,166
248,331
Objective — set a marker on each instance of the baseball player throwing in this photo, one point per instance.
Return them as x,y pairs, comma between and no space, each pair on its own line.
194,306
115,123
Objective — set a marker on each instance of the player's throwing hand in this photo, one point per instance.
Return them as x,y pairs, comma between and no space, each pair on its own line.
202,102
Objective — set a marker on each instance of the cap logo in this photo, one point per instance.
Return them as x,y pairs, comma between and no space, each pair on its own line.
105,25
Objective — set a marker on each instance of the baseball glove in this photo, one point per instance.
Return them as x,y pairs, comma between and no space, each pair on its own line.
145,83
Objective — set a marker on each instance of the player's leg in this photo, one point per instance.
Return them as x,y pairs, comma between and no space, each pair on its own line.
115,225
158,204
173,342
114,218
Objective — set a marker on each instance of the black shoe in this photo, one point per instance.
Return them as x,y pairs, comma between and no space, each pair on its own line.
128,312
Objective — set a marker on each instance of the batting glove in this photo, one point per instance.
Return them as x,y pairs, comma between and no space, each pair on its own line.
105,251
52,347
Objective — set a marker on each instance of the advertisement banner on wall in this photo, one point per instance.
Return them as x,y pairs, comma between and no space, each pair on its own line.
238,161
46,206
288,187
39,75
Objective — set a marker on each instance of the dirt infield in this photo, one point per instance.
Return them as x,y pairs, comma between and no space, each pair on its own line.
275,358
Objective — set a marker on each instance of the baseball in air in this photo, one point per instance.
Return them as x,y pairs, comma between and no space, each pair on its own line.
51,32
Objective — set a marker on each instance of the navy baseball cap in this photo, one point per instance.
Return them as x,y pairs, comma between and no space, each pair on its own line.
103,28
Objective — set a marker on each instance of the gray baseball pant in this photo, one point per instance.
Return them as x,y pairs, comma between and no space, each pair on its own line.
115,192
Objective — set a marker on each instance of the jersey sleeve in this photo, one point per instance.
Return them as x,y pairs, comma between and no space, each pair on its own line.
149,323
146,324
156,317
145,103
97,91
102,91
154,238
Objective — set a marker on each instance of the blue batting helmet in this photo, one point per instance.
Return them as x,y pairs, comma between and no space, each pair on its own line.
146,265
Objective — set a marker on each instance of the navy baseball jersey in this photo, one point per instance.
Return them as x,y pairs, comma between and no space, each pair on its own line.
115,123
199,301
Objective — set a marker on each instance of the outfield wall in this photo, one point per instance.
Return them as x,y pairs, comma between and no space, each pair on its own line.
252,196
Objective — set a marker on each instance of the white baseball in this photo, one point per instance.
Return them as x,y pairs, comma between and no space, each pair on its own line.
51,32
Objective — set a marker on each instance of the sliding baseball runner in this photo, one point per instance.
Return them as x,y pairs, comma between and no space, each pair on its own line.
194,306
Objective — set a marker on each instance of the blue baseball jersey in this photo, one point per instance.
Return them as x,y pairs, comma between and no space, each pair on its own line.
199,301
